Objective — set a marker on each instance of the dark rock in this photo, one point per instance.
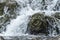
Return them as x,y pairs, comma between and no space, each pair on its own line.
11,9
2,8
37,24
3,22
5,19
12,6
40,24
50,20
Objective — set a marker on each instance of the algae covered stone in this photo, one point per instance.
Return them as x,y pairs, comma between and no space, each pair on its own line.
37,24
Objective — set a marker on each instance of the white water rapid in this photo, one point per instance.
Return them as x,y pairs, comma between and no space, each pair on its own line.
18,26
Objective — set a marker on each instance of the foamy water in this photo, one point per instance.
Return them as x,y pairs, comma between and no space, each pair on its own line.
18,26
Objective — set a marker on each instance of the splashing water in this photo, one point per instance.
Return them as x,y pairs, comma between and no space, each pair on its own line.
27,8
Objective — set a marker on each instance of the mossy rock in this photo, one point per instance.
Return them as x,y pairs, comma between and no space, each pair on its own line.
4,19
2,8
2,4
41,24
37,24
1,13
57,15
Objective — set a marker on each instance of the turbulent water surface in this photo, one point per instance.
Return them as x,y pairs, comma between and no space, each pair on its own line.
18,25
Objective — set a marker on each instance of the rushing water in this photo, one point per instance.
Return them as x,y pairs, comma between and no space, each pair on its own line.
27,8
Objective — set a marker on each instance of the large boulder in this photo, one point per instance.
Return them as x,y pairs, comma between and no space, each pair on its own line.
37,24
11,13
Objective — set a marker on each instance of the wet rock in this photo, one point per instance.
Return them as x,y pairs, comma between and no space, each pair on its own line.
37,24
57,15
4,19
2,8
42,24
29,38
2,4
3,22
52,24
50,20
12,6
11,9
11,14
1,38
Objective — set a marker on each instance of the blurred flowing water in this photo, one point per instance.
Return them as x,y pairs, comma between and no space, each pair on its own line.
18,26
